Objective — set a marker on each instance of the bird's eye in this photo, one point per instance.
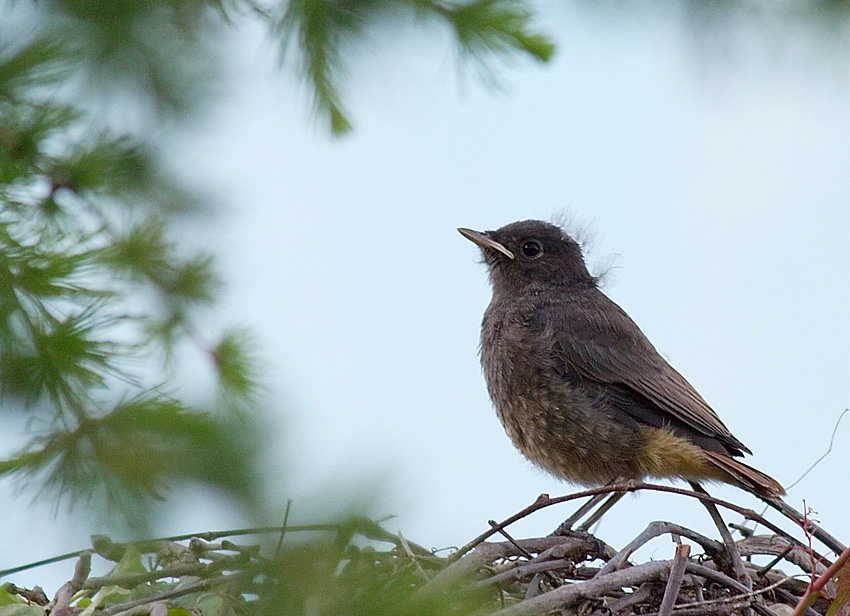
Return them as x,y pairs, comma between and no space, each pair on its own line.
532,249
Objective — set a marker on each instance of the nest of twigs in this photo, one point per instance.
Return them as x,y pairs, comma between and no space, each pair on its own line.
574,572
344,568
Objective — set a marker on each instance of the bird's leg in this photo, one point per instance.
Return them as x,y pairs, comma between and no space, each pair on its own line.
567,525
731,547
602,510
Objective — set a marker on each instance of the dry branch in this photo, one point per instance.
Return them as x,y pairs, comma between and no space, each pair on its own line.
570,573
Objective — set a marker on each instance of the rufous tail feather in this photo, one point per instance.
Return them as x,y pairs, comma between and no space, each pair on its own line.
746,476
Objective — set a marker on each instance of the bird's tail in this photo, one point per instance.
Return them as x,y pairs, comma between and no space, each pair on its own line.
746,476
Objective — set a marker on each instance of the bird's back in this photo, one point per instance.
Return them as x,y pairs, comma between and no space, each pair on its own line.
583,393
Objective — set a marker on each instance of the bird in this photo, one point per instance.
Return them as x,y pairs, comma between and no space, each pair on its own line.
578,387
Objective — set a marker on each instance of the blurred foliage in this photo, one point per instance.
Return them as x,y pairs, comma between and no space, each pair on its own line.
483,29
344,568
163,56
100,300
91,287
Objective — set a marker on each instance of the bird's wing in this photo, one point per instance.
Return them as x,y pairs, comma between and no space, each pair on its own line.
598,342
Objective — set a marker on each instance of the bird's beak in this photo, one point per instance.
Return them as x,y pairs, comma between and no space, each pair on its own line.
484,241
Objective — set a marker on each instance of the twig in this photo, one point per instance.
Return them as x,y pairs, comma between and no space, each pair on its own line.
114,551
674,582
745,530
793,600
654,571
773,545
544,500
717,576
131,580
818,585
604,508
643,593
534,586
486,553
735,599
156,609
825,453
522,570
510,539
567,596
61,603
283,528
406,547
806,524
732,552
125,608
727,608
654,530
566,526
763,571
720,578
36,595
46,561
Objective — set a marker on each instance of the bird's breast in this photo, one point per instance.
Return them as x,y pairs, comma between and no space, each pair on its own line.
550,419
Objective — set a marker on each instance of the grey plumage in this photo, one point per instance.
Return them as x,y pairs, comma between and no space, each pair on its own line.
579,388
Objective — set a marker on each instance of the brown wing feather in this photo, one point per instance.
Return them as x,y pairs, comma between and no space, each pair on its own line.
603,344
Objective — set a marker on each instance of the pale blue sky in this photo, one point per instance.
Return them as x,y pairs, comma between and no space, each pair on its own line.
719,179
716,173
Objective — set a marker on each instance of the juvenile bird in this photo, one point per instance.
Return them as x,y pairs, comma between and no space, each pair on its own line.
578,387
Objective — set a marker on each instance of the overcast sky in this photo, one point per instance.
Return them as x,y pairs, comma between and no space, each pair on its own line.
714,173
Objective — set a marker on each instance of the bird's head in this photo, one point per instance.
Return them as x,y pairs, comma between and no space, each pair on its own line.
529,255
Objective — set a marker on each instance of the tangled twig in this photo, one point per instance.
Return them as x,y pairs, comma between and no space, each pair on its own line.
574,571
